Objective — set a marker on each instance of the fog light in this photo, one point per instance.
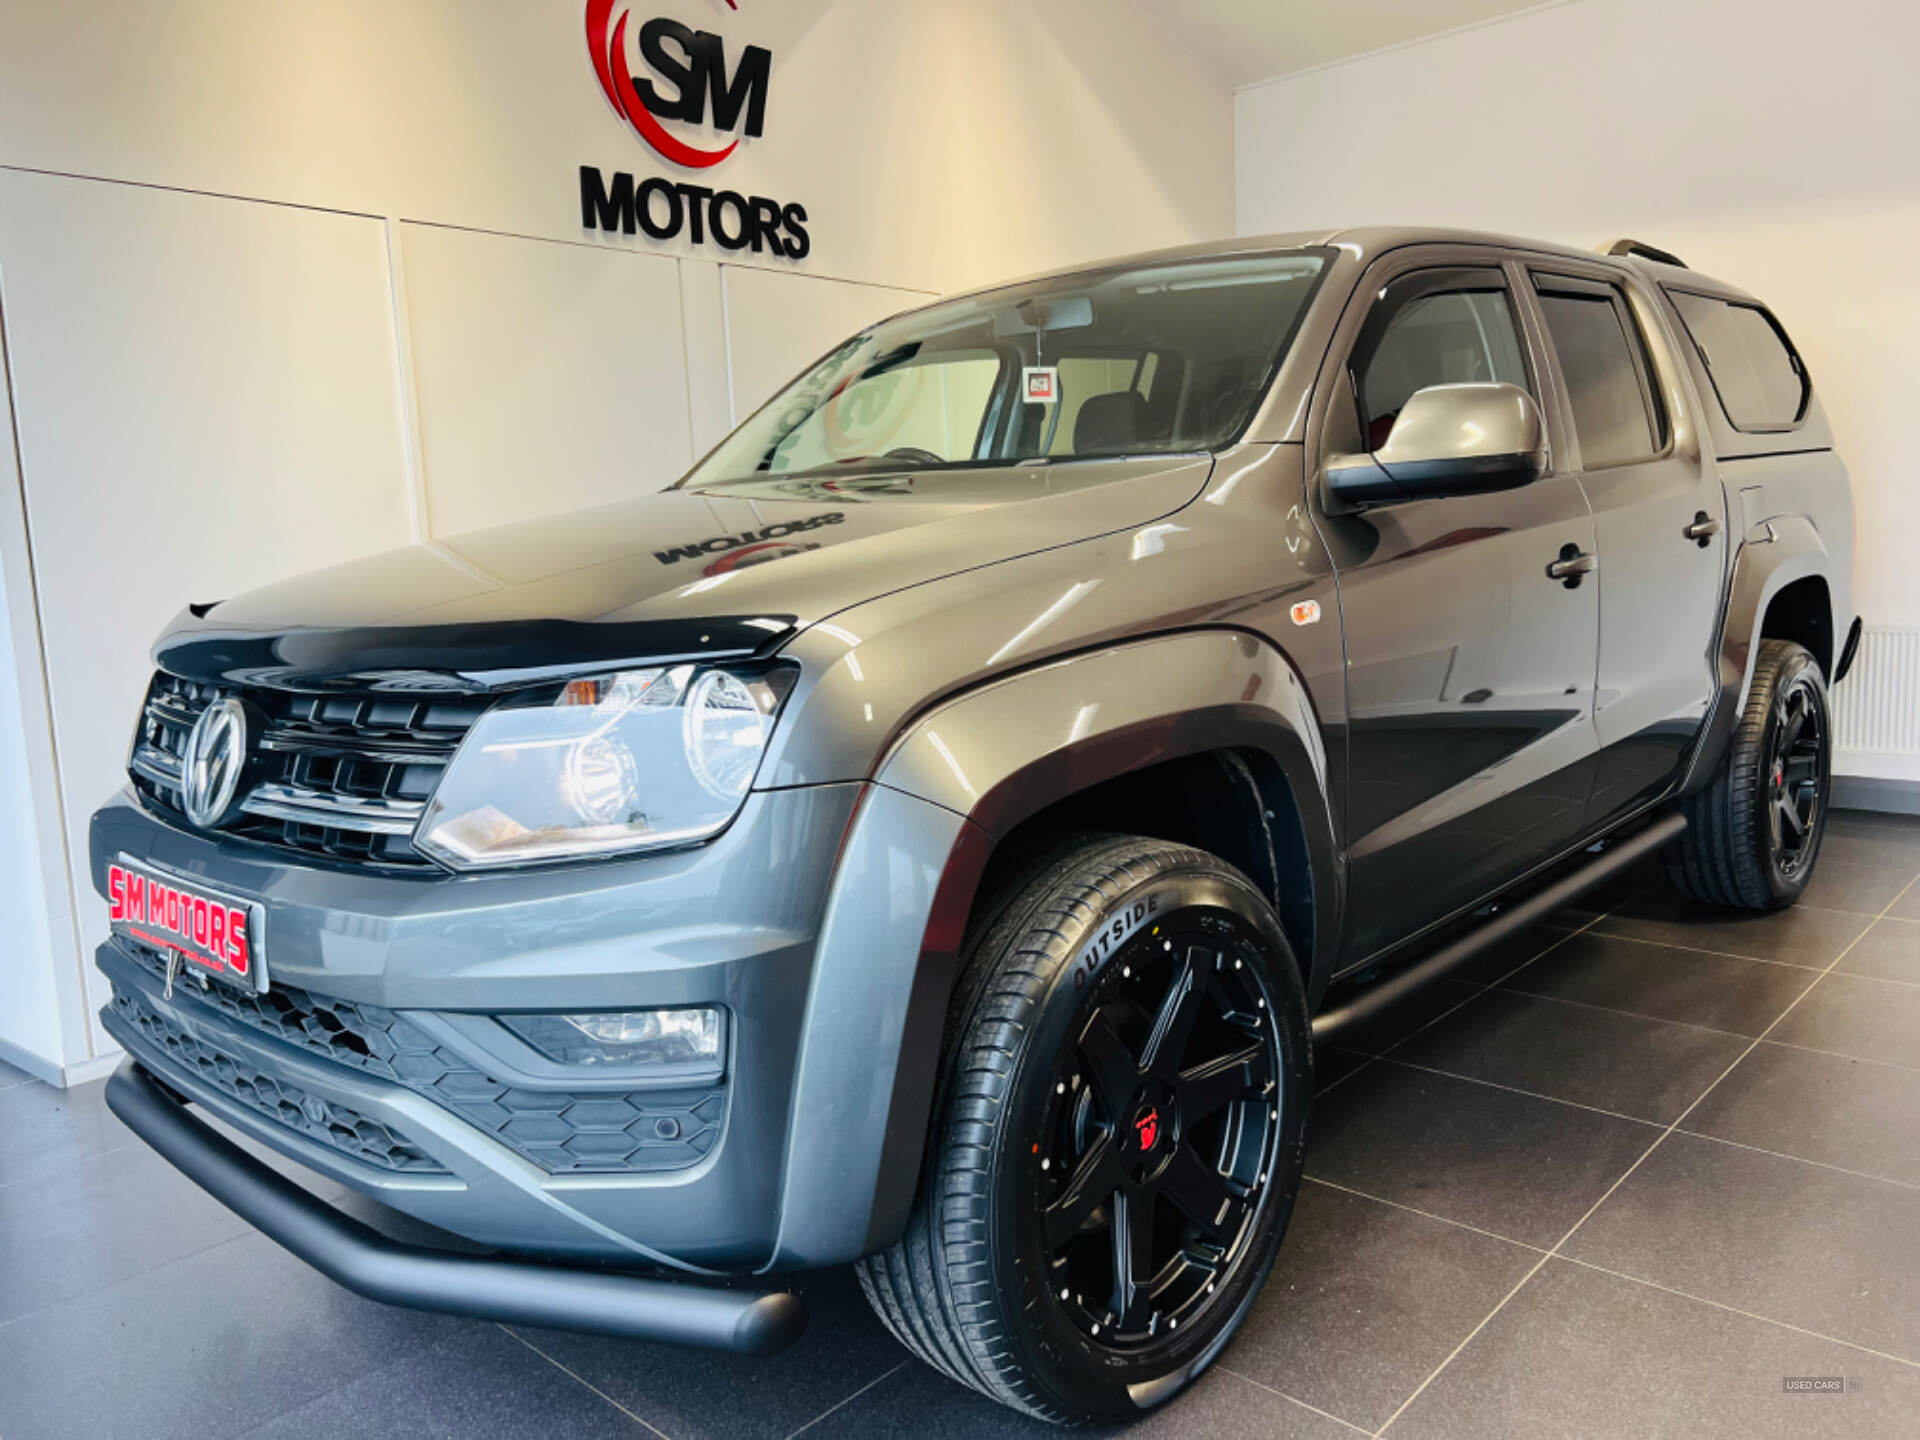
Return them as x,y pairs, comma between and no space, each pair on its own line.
690,1039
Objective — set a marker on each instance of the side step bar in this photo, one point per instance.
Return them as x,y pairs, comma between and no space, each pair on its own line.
1368,1003
515,1292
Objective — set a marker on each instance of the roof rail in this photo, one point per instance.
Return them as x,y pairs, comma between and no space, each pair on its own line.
1645,252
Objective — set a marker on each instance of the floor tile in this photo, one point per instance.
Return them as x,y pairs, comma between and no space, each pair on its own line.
100,1221
1874,822
918,1402
1632,1065
1859,846
1334,1063
43,1129
1890,951
1907,907
1366,1300
209,1345
1520,1167
690,1393
479,1382
1795,936
1866,889
1689,987
1855,1114
1578,1354
1835,1253
1869,1019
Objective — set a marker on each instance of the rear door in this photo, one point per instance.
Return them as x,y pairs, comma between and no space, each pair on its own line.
1659,520
1469,670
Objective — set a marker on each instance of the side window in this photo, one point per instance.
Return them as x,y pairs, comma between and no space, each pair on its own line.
1760,381
1433,327
1617,413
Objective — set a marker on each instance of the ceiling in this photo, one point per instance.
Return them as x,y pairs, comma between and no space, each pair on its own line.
1249,40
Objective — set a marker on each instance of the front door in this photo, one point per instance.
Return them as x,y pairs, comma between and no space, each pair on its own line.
1659,521
1470,670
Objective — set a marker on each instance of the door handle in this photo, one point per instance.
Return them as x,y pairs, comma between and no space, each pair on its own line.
1702,529
1572,564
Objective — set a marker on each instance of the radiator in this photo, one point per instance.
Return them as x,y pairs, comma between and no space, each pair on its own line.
1876,709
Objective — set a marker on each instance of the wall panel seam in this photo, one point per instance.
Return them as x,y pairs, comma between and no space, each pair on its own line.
419,517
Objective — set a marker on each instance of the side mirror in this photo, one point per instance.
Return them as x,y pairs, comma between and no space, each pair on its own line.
1449,440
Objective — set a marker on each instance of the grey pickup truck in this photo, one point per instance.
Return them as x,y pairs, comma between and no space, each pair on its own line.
931,835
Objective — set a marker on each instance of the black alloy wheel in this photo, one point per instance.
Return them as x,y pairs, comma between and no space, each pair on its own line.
1796,774
1753,834
1118,1137
1158,1147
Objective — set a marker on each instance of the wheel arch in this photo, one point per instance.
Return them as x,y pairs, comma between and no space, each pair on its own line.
1802,611
1119,738
1780,589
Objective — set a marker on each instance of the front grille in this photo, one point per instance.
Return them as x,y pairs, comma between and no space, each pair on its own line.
275,1097
561,1131
344,777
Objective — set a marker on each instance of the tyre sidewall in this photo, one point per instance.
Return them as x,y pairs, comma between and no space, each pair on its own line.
1081,1375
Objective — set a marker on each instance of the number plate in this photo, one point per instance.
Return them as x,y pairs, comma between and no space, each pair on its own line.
212,933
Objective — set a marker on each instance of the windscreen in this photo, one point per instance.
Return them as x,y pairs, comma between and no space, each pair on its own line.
1168,358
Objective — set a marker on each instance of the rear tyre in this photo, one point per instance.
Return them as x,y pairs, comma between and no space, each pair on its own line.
1754,834
1118,1138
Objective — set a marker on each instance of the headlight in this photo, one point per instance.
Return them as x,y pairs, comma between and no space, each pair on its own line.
631,761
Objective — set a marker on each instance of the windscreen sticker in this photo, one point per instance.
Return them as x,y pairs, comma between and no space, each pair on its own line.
1041,384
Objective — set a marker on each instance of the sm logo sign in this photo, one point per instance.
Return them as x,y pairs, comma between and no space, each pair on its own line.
685,80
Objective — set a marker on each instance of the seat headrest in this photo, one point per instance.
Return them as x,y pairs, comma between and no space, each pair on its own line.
1110,423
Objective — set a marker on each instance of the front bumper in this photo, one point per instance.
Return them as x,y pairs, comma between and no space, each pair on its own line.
512,1292
472,1132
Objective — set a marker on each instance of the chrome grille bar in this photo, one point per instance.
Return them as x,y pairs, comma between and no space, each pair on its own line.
366,815
157,765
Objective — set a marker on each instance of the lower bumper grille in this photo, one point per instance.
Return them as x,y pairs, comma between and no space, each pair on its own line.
563,1132
275,1097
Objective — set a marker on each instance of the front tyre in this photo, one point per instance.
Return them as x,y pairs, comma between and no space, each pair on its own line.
1754,834
1118,1138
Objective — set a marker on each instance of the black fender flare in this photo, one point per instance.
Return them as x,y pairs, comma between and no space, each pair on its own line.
1788,548
1001,753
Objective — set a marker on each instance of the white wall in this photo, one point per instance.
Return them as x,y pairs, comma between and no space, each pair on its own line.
30,1003
937,144
283,283
1770,144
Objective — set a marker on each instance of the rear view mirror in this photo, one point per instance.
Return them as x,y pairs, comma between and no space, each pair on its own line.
1449,440
1062,312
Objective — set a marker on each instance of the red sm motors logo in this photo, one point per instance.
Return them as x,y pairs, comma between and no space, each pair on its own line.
688,78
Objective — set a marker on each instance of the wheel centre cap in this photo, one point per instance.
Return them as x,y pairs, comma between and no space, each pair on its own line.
1147,1127
1150,1130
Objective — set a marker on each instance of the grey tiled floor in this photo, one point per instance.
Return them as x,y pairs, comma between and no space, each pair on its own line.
1626,1176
